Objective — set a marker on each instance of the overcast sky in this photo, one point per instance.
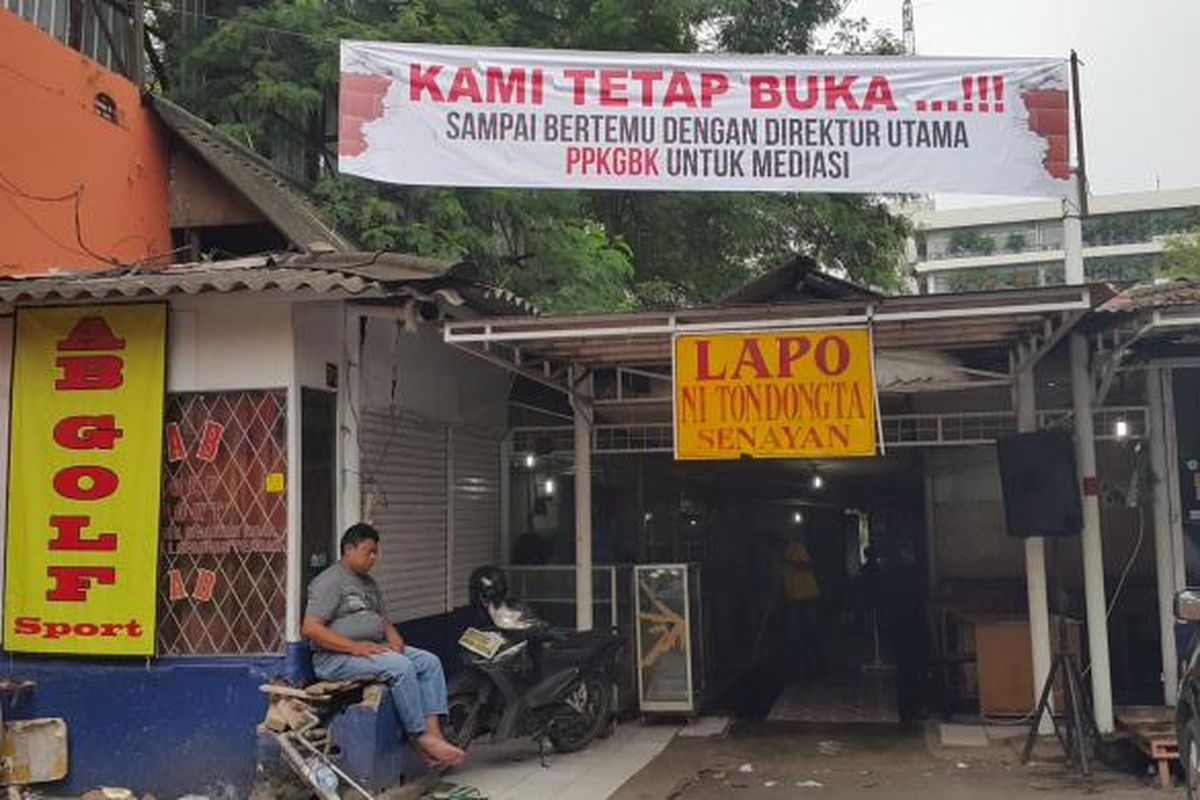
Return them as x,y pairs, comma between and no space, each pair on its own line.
1140,73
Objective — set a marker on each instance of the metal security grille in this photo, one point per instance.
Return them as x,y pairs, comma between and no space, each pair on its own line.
223,564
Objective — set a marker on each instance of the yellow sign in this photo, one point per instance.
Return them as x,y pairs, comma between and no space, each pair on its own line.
775,394
85,479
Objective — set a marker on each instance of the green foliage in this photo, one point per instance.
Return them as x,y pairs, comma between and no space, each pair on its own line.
971,243
1015,242
1181,258
267,74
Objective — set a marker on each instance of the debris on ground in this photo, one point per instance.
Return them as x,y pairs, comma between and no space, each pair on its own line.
810,784
962,765
747,767
109,793
771,784
830,747
445,790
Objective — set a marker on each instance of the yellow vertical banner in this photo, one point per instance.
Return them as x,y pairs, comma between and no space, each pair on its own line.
775,394
85,479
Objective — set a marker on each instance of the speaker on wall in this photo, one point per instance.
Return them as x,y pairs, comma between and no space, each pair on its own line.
1041,489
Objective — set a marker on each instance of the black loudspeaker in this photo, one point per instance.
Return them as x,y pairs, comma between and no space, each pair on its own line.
1041,489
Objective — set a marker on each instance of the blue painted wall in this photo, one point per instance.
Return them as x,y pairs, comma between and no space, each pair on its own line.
174,726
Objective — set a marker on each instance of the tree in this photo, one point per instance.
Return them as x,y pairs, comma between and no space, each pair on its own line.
268,75
1181,257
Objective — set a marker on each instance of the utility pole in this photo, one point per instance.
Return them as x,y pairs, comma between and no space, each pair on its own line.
910,34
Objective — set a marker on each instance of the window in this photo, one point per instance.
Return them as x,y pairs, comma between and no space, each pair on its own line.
106,108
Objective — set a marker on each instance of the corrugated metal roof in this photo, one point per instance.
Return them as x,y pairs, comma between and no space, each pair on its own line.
378,277
948,323
246,274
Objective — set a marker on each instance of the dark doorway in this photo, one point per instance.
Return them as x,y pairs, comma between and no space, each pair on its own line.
318,458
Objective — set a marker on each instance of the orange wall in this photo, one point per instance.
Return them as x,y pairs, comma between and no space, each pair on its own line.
52,143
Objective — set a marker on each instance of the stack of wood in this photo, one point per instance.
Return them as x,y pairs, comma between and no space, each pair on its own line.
1152,730
298,719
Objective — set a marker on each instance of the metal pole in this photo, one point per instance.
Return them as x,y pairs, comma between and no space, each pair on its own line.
1081,184
1076,208
1073,242
1093,551
1025,400
1163,549
350,499
581,402
1174,498
137,53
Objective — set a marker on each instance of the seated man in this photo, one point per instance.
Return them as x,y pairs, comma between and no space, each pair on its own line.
351,637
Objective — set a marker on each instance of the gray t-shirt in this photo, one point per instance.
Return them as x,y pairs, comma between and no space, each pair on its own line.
348,603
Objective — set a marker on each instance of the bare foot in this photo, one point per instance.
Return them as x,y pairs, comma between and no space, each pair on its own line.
438,749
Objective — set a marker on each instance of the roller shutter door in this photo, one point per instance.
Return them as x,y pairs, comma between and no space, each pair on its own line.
404,464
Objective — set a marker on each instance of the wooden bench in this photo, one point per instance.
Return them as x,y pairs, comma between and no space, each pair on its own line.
1152,730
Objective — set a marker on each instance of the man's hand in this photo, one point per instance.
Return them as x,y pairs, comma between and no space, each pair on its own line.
367,649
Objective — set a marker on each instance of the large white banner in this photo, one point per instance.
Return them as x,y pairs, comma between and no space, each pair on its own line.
475,116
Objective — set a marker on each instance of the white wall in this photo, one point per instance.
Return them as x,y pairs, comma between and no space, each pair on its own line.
431,378
318,332
219,342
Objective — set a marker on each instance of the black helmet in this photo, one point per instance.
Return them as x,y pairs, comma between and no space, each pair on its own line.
488,586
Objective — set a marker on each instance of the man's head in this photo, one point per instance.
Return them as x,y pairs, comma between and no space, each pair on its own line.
360,548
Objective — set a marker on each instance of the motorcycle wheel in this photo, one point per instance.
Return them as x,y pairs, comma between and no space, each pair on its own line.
583,716
462,719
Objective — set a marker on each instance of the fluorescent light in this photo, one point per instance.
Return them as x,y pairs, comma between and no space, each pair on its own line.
549,486
1122,428
530,460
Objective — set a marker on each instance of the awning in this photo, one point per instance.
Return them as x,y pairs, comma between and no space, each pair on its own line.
984,331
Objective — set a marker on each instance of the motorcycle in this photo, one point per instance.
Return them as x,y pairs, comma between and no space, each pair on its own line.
522,678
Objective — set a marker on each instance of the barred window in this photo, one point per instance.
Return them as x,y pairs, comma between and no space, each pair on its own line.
223,560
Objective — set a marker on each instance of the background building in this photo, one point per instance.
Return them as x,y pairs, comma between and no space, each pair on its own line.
1021,245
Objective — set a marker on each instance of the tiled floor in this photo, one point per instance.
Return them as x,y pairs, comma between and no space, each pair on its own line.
511,771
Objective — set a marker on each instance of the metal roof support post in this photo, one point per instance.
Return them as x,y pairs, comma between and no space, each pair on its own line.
1025,402
1073,239
581,403
1163,547
1093,550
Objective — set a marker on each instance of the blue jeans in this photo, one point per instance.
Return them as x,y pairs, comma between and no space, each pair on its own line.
414,677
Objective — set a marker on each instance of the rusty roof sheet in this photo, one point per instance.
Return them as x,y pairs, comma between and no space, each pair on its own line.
1150,297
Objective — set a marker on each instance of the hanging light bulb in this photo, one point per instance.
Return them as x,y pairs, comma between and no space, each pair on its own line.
1122,428
797,517
530,461
549,486
817,481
